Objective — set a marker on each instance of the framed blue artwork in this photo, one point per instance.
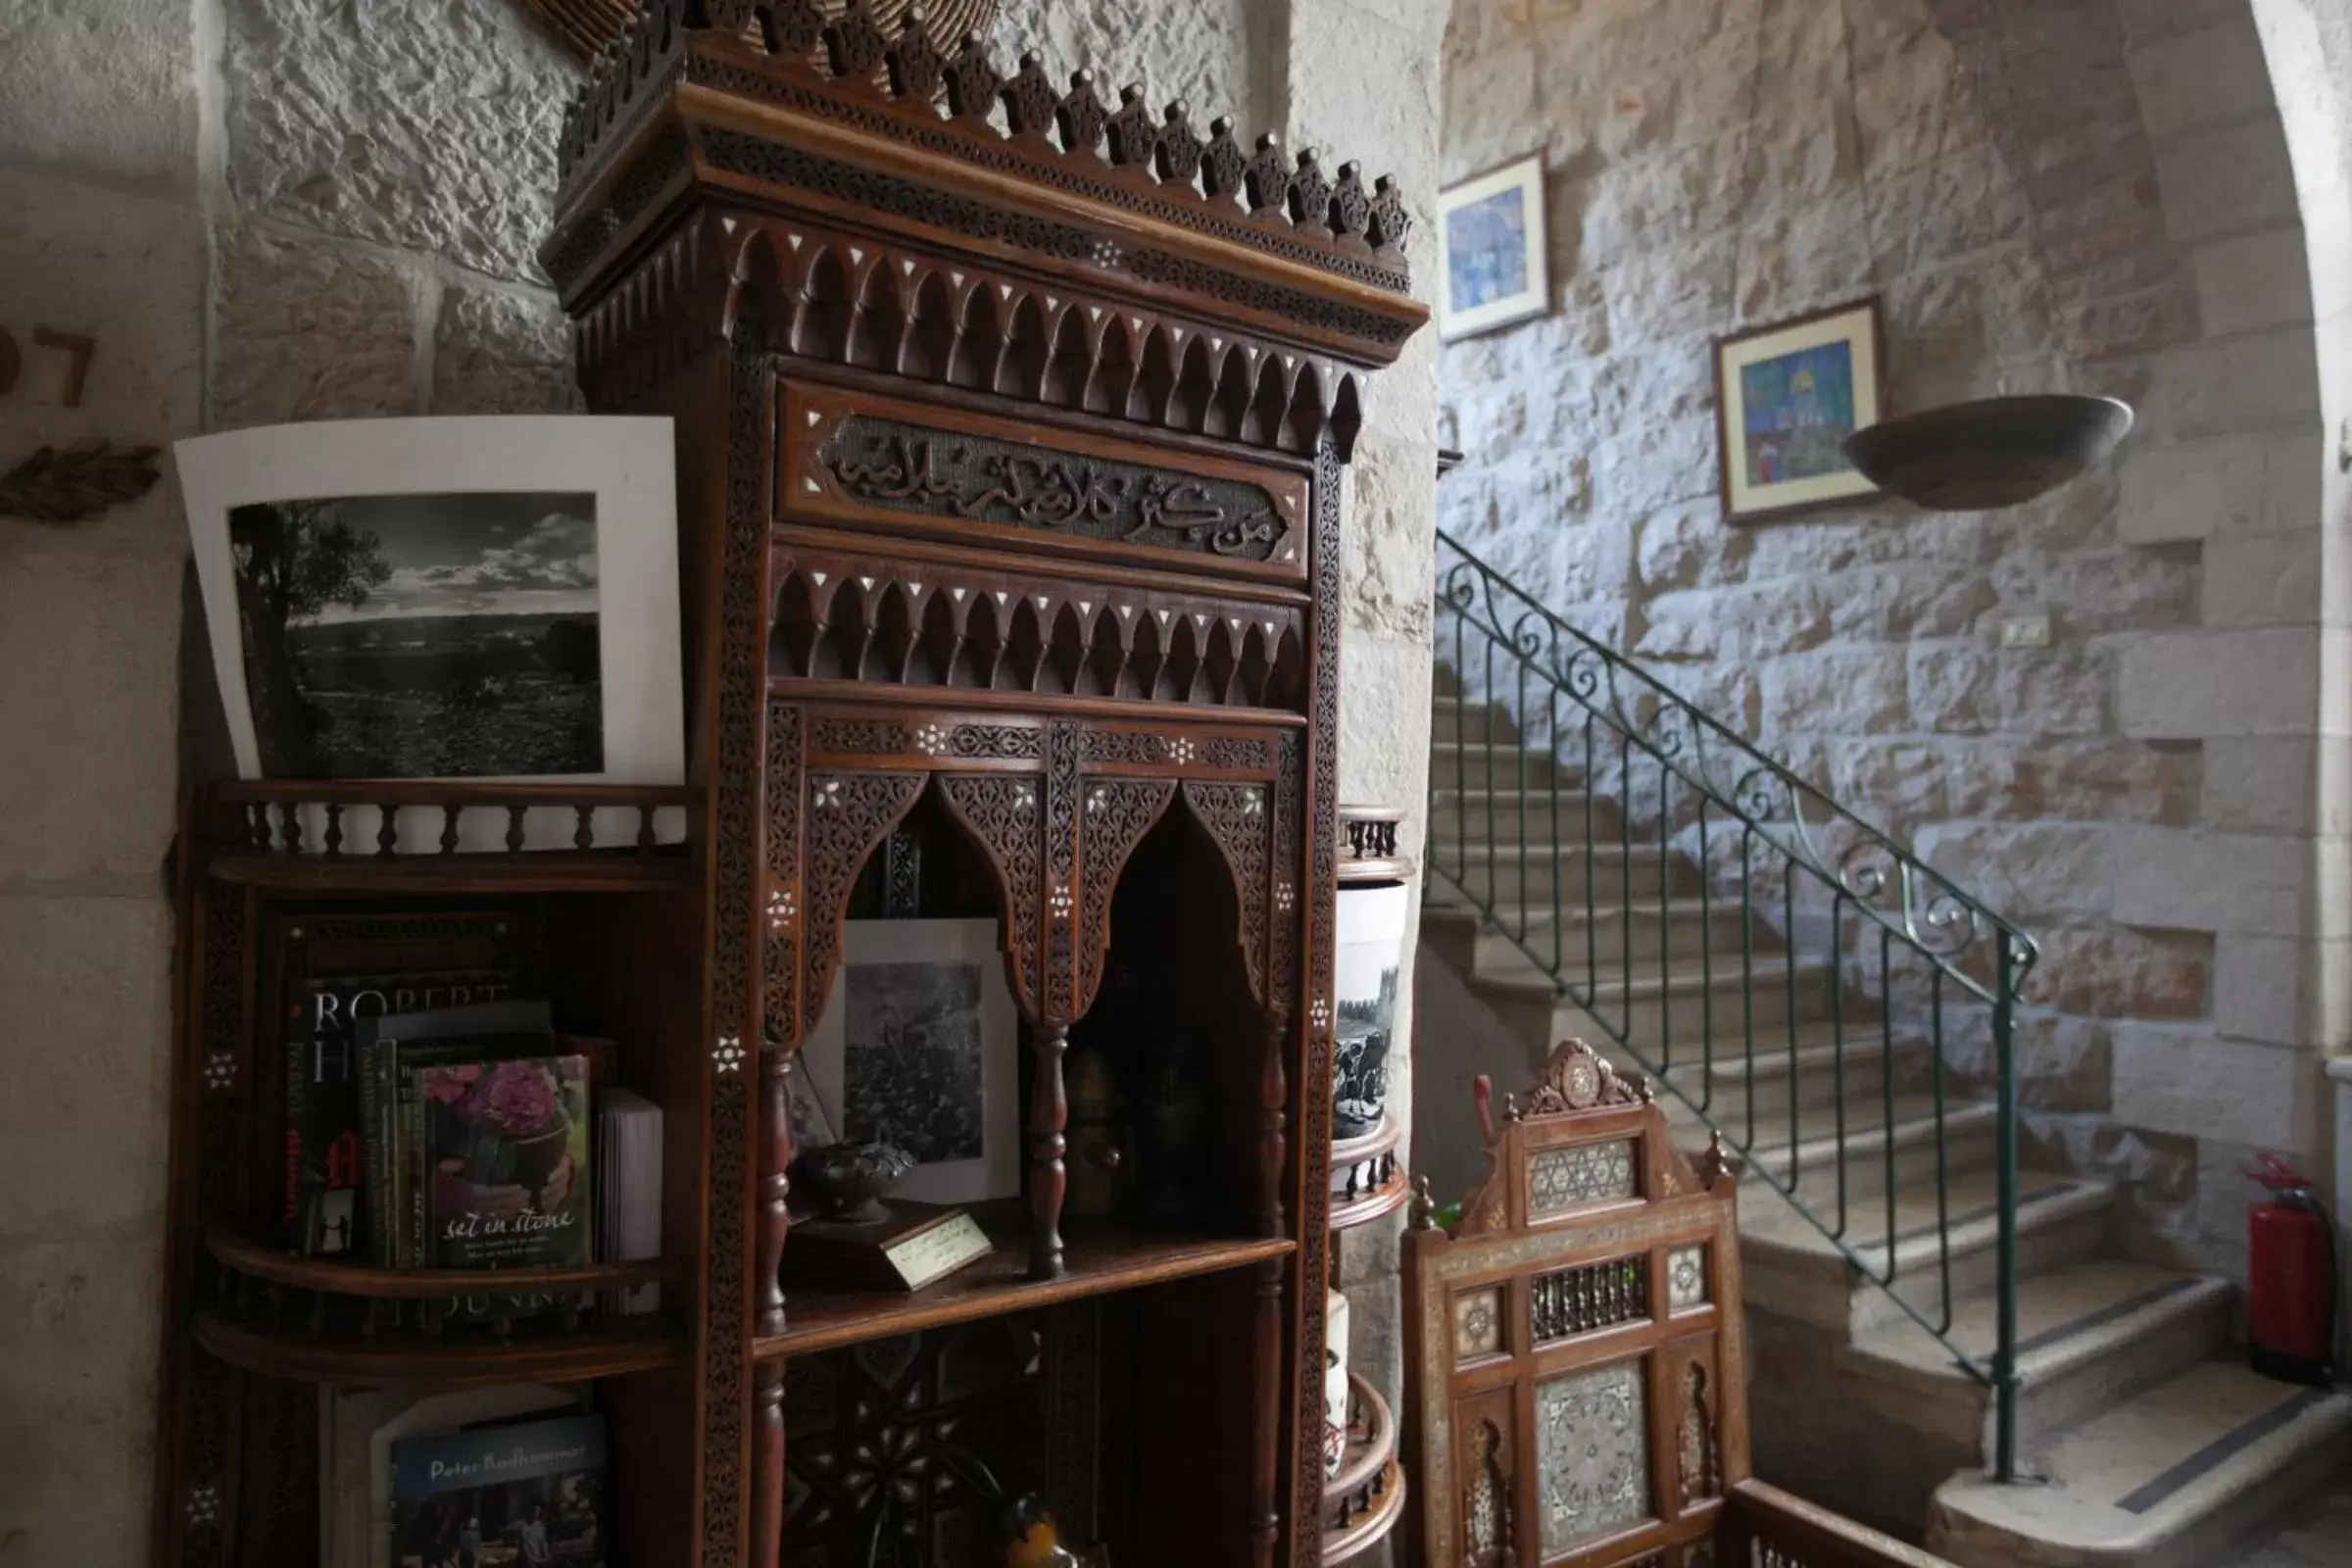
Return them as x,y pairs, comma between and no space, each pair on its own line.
1787,396
1496,257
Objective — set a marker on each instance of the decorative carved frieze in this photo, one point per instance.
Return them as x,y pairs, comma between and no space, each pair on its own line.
943,741
1050,137
1178,750
891,621
939,473
880,460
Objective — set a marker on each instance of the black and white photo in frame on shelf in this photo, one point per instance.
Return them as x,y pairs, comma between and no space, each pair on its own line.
920,1047
443,599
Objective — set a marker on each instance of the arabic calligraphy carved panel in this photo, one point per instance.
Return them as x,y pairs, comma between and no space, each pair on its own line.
873,461
913,468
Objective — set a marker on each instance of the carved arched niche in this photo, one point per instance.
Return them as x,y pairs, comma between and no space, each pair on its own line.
1177,995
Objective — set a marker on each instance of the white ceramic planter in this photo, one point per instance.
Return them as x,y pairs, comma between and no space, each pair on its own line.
1371,927
1335,1383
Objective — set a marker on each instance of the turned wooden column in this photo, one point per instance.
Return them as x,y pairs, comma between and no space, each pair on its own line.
1273,1098
1049,1177
768,1465
1265,1448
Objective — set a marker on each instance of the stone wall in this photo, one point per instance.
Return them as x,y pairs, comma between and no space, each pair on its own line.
1363,81
99,177
2091,195
390,171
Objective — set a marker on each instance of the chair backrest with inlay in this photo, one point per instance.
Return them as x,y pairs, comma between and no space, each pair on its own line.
1580,1396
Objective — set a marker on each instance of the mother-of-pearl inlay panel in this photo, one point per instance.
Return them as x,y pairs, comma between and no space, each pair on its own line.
1593,1454
1562,1180
1686,1278
1477,1324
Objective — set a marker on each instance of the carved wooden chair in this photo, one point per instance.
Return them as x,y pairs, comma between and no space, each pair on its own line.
1575,1356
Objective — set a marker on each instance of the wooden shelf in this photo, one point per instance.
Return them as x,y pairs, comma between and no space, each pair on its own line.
327,1277
404,836
542,872
1102,1257
1369,1529
1362,1503
454,1358
1368,1179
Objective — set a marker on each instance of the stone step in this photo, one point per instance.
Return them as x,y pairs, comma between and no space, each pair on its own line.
1687,929
1918,1147
1797,1272
1651,1009
1474,720
1593,877
1462,820
2177,1476
2316,1534
1476,766
1821,1079
2088,1335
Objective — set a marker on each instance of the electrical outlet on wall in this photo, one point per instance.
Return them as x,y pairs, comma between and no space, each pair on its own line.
2026,632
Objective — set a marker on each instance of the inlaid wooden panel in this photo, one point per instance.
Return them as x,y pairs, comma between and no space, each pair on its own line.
1566,1301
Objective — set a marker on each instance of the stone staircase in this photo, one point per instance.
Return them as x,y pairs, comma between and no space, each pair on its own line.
2150,1443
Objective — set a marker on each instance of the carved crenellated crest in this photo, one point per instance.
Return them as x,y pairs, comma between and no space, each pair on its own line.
925,82
1580,1078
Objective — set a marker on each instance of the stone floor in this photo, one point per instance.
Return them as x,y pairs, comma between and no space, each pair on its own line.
2320,1538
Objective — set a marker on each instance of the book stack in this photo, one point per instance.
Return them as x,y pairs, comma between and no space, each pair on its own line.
477,1125
341,973
511,1475
435,1120
629,1191
529,1493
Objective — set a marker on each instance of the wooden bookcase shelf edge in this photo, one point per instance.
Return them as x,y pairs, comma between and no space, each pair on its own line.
304,1358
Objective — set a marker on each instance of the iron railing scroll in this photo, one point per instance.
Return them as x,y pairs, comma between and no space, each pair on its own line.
1599,821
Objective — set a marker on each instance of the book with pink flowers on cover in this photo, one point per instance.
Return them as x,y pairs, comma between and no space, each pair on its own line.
504,1163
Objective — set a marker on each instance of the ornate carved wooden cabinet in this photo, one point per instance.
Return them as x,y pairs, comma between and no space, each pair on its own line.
1011,426
1011,433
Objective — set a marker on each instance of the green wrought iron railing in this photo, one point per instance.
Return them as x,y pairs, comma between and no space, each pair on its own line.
1725,923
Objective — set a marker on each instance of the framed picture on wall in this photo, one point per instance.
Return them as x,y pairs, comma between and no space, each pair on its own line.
1787,396
1491,239
920,1047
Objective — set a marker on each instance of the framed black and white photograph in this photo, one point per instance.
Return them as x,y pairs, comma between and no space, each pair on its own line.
443,599
1493,249
920,1047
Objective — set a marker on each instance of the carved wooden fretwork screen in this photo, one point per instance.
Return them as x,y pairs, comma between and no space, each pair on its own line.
1581,1393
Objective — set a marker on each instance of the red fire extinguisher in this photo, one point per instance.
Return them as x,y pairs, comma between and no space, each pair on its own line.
2290,1316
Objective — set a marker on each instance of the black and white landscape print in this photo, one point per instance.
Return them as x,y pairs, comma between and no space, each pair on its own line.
912,1058
421,636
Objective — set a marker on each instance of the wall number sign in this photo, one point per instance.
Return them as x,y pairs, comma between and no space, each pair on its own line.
78,349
